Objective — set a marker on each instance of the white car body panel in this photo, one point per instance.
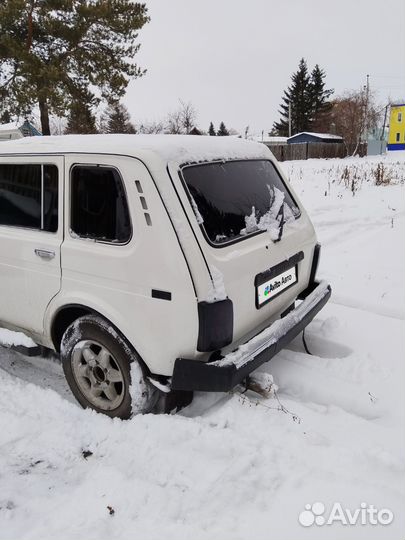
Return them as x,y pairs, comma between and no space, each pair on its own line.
171,255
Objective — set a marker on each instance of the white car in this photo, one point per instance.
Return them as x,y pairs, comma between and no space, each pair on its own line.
168,261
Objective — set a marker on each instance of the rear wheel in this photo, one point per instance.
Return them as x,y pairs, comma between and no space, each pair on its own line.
103,371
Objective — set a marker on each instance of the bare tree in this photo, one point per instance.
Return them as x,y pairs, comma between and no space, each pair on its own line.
188,116
182,120
174,123
353,114
233,131
57,125
151,128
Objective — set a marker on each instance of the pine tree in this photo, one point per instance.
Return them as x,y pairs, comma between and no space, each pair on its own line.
51,50
319,99
81,119
222,131
301,108
5,117
118,119
211,130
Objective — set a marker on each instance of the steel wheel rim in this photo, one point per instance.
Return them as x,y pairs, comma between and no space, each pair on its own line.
98,375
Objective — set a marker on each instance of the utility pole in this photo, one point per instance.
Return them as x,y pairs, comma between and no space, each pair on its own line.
289,118
367,88
385,119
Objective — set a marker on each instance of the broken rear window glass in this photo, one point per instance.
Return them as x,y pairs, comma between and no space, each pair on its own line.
238,198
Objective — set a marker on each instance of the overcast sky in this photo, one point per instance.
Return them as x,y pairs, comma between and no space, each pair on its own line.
232,59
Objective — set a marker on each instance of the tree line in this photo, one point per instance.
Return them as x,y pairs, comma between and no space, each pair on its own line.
67,58
116,119
307,105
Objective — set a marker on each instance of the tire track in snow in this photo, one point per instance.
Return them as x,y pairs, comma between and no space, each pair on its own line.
43,372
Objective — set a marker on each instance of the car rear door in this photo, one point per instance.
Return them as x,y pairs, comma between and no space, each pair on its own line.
261,267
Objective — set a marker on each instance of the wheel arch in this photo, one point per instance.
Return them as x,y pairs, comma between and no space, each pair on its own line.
64,317
69,313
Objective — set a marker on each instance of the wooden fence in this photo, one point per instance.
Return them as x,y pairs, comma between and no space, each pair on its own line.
289,152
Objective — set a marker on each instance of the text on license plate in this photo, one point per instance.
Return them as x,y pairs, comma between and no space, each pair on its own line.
274,286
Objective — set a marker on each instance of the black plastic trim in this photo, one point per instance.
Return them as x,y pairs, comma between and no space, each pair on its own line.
215,322
315,263
162,295
314,269
278,268
199,376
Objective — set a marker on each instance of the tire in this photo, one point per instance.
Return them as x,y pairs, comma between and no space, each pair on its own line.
104,373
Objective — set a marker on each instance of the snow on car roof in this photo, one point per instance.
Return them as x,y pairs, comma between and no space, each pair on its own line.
169,148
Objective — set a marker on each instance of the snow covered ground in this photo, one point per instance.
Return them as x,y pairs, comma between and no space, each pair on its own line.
234,466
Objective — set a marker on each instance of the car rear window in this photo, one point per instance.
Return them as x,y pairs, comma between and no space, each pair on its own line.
235,199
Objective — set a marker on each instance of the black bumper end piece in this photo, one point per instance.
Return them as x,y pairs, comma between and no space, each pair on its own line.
222,375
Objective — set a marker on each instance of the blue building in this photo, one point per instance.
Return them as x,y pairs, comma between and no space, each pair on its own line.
14,130
308,137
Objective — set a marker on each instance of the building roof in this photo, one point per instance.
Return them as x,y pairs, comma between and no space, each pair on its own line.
26,129
318,135
9,131
270,139
169,148
11,126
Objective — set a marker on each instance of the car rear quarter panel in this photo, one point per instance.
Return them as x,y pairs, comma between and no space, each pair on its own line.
117,280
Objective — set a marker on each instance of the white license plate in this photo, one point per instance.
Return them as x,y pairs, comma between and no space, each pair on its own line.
274,286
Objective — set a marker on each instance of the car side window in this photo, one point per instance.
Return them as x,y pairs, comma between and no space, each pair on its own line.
29,196
99,208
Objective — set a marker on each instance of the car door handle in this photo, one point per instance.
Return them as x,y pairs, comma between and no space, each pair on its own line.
45,254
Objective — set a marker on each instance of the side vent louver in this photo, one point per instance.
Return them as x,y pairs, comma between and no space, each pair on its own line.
144,204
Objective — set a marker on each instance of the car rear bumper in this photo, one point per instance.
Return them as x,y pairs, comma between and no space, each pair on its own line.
223,374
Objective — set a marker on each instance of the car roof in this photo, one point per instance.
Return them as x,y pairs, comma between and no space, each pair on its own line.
179,149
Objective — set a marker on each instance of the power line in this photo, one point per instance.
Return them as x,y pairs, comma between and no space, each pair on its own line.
389,76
